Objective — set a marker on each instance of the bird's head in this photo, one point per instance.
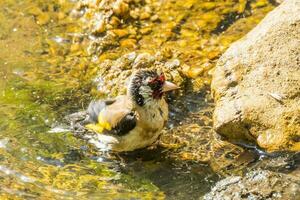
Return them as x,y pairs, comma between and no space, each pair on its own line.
148,85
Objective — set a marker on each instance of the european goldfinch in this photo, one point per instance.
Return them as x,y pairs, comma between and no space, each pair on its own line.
134,120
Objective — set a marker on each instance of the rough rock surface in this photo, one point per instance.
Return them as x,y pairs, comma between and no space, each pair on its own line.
112,74
256,84
260,184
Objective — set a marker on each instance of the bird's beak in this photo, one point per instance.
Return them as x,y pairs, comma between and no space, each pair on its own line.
168,86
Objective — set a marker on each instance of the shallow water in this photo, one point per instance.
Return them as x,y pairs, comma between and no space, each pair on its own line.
35,96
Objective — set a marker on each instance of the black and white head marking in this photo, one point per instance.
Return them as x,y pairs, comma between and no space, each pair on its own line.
146,85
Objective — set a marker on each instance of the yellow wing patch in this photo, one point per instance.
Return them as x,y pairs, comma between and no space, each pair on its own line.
95,127
100,126
102,122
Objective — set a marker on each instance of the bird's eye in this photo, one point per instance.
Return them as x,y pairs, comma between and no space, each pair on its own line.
151,81
156,83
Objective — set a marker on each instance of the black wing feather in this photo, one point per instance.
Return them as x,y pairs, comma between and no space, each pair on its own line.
126,124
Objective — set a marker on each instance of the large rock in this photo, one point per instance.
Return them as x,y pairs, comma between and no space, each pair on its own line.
256,185
256,84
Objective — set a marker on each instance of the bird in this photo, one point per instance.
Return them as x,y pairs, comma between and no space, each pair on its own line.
132,121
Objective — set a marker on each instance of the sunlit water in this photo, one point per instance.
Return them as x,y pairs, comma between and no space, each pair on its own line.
36,162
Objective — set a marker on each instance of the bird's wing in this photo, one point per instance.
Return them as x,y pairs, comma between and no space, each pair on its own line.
95,107
112,117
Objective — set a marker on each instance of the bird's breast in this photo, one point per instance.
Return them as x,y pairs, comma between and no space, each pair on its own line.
153,116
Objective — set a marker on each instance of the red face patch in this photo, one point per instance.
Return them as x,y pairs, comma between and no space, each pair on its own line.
156,85
160,79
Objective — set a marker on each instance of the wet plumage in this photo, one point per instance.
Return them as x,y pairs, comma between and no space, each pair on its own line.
134,120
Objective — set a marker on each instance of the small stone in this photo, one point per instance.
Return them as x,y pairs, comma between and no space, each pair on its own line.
128,43
114,21
99,27
120,8
195,72
120,32
185,69
176,78
143,60
213,54
172,64
270,139
135,13
131,56
167,52
132,30
154,18
260,3
145,30
144,15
